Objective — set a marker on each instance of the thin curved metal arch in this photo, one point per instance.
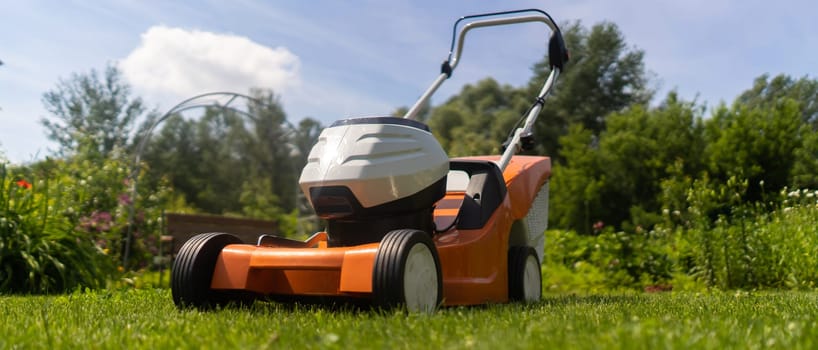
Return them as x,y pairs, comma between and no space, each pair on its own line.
190,103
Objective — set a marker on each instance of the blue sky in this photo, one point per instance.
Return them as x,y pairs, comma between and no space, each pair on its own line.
333,59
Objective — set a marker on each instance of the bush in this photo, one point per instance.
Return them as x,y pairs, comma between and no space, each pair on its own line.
100,195
63,224
754,247
41,251
609,260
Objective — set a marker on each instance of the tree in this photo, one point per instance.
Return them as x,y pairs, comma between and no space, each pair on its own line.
202,159
173,153
92,115
307,136
640,148
422,115
805,168
234,162
616,177
770,94
755,144
477,120
223,166
767,93
603,76
575,184
270,147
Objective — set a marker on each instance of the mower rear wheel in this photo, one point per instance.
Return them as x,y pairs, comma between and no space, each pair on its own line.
407,272
192,271
524,275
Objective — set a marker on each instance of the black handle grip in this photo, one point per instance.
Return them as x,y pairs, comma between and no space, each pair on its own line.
557,53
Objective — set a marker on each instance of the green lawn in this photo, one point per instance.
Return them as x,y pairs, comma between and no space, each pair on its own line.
148,319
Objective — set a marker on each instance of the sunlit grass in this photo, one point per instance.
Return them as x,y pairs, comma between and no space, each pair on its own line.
148,319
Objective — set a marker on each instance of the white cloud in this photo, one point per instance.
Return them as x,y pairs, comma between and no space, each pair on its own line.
185,63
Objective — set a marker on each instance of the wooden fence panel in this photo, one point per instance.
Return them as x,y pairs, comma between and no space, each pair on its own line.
184,226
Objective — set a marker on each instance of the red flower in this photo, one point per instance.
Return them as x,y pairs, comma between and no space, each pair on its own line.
24,184
598,226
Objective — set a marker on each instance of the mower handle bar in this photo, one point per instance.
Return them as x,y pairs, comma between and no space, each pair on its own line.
454,56
555,43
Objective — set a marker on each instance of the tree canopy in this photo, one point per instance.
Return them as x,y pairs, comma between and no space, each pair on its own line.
91,114
603,76
620,161
235,162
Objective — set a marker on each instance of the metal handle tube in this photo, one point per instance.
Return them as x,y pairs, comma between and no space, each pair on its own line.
412,112
455,56
514,145
494,22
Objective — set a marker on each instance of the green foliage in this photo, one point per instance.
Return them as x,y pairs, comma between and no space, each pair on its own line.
609,260
234,162
256,200
479,119
101,206
746,246
755,144
621,162
258,203
68,229
575,186
307,136
41,249
92,115
637,148
654,196
750,247
270,149
804,173
201,159
616,177
603,76
767,93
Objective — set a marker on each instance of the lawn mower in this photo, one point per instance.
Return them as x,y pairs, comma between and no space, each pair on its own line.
406,225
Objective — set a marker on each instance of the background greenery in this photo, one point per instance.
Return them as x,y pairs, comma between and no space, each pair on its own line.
647,194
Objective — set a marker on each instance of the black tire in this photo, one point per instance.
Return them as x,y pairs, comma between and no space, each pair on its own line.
524,283
390,272
192,271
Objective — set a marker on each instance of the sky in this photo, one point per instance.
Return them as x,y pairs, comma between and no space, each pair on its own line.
335,59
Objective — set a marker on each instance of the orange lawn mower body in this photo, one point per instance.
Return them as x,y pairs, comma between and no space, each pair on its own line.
406,225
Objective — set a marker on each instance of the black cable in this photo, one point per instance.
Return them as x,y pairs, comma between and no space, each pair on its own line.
540,101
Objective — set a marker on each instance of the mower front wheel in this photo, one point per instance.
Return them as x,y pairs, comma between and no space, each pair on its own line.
407,272
192,271
524,274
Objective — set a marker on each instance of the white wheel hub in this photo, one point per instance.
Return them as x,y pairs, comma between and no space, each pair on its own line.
532,285
420,279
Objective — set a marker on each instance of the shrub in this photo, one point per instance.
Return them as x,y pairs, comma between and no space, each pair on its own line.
610,259
100,199
63,224
753,247
41,251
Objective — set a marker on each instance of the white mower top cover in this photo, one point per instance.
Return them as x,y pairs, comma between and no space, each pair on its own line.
380,159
